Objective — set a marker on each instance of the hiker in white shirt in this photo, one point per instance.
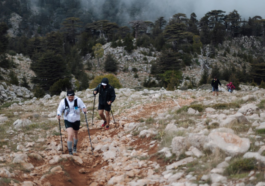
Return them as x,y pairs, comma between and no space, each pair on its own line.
71,106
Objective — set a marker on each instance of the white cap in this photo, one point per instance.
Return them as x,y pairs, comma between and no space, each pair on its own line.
104,84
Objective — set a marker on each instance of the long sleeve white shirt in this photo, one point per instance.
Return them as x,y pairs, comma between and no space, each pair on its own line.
74,114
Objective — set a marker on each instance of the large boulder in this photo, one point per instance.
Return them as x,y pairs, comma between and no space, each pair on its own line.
228,142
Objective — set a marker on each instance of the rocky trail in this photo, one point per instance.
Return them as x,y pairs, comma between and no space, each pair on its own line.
160,138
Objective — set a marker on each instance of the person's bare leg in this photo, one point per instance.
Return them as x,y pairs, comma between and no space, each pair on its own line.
70,134
101,114
217,93
107,117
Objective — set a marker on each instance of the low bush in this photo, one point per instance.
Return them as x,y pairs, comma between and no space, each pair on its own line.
198,107
113,81
182,109
262,84
240,165
260,131
225,105
13,78
261,105
38,92
59,86
110,64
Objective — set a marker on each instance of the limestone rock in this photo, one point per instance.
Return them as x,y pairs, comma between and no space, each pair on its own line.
171,128
56,169
178,145
231,144
27,183
179,163
21,123
27,166
109,155
147,133
249,108
20,158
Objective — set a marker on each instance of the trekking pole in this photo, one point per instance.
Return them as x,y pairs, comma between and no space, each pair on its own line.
89,135
114,119
112,116
93,109
61,135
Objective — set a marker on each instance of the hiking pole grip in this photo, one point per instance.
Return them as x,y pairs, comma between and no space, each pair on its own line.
61,134
89,136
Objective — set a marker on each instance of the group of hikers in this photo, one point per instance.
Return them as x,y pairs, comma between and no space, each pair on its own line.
71,106
216,82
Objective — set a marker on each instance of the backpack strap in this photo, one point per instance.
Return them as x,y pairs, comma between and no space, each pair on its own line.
75,104
66,104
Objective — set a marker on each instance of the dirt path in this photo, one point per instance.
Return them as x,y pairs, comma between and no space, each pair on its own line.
71,175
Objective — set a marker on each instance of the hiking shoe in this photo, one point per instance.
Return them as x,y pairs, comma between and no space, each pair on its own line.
107,127
104,124
70,152
74,150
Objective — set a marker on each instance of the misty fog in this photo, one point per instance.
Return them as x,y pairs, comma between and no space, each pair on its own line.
152,9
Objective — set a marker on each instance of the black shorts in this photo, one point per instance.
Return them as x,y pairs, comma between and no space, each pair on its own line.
104,107
75,125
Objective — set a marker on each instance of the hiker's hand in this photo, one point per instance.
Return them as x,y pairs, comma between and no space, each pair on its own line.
58,116
95,92
84,110
109,102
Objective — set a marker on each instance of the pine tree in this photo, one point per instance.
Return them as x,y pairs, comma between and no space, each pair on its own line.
49,69
128,43
110,64
3,38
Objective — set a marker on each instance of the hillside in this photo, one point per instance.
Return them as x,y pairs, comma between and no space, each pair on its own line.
160,138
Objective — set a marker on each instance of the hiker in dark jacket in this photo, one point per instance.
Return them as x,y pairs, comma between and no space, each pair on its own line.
106,98
215,83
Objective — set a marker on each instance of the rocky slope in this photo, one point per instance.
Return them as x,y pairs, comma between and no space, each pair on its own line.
160,138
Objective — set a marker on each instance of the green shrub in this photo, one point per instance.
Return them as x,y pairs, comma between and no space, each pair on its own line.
150,121
113,81
240,165
12,53
38,92
59,86
13,78
110,64
25,83
136,75
260,131
183,109
198,107
135,69
262,84
226,105
261,105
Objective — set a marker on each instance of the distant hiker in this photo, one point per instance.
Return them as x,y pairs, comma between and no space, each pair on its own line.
106,98
230,87
215,83
71,106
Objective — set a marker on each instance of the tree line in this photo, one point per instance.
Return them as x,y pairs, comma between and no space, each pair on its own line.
180,39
